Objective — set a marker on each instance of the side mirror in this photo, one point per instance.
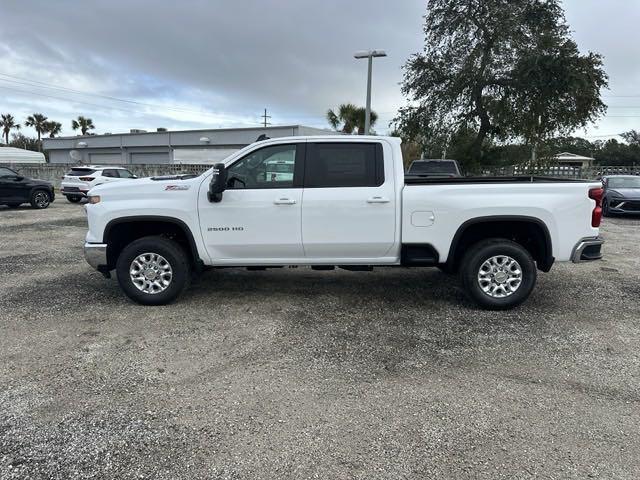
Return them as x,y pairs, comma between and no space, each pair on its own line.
19,178
134,176
218,183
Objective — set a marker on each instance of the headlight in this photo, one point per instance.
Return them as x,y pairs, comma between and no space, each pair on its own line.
94,199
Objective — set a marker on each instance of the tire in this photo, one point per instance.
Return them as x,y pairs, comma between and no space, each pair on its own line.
605,208
149,252
74,198
492,292
40,199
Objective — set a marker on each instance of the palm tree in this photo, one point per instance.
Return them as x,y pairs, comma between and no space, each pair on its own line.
350,117
7,122
38,121
53,128
82,123
361,114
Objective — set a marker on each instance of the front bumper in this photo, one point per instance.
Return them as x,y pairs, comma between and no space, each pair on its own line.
587,250
96,255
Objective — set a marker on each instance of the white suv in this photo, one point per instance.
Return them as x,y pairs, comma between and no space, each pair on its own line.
80,180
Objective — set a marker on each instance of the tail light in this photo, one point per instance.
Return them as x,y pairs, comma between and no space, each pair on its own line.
596,215
87,179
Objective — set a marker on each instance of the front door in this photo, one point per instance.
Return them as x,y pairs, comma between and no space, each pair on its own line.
12,190
349,204
258,219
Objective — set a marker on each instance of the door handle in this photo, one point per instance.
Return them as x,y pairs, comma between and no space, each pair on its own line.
284,201
378,200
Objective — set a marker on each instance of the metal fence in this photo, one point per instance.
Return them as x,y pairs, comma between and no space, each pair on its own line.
54,172
557,171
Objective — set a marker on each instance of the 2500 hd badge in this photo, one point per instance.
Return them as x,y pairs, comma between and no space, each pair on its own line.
225,229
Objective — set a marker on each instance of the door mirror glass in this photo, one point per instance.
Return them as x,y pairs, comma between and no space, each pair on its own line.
218,183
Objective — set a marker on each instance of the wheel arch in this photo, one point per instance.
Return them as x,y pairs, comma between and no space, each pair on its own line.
121,231
530,232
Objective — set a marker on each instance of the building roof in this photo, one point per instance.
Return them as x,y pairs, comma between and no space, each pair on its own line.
571,156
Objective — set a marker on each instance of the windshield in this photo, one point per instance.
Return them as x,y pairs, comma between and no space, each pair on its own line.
433,167
624,182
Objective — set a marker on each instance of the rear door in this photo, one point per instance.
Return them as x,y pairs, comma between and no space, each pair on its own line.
349,201
11,190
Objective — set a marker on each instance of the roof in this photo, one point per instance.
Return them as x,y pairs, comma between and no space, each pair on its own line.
19,155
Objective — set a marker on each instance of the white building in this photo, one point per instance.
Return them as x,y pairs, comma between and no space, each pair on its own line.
567,159
163,147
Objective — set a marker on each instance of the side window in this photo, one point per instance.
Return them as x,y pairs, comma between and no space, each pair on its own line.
124,173
269,167
344,164
110,173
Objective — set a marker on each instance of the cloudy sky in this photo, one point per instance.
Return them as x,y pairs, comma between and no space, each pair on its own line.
219,63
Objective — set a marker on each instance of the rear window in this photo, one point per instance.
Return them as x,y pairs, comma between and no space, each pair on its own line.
433,167
344,165
79,172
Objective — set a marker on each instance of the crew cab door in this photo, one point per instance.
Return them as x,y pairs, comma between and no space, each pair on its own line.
349,202
258,219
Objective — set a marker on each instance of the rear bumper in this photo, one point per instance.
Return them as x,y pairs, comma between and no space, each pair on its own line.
74,193
587,250
96,255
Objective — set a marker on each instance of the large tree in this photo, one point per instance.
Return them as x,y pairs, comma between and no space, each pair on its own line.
349,118
508,69
83,124
8,123
39,123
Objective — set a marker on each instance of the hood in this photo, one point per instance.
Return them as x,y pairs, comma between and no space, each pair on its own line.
146,187
625,192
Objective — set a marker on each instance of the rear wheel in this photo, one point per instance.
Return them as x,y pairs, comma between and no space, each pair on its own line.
498,274
153,270
74,198
40,199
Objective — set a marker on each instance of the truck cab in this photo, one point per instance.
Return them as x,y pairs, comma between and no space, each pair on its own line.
337,201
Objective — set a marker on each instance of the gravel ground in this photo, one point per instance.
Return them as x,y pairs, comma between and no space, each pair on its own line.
300,374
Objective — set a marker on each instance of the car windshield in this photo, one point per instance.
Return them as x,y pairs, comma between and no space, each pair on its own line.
78,172
624,182
7,172
433,167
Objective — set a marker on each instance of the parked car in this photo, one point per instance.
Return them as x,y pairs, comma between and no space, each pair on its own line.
434,168
16,189
348,204
80,180
621,195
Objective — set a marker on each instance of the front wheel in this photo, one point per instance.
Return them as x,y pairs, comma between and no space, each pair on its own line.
605,208
74,198
498,274
40,199
153,270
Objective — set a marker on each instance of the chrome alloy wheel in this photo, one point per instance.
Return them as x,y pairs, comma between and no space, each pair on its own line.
500,276
41,199
151,273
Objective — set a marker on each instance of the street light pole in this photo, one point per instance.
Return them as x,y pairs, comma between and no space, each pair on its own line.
369,55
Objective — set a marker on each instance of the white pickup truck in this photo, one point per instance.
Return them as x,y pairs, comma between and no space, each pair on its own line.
339,201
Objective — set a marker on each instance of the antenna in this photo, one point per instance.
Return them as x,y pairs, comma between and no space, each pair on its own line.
265,117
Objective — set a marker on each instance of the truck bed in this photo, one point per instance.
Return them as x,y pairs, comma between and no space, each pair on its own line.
418,180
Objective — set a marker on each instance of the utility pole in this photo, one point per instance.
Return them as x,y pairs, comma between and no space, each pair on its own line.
265,118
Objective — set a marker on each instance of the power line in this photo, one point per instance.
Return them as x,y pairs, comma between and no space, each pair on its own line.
32,83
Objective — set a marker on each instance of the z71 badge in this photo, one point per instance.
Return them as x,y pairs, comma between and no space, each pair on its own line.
176,187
